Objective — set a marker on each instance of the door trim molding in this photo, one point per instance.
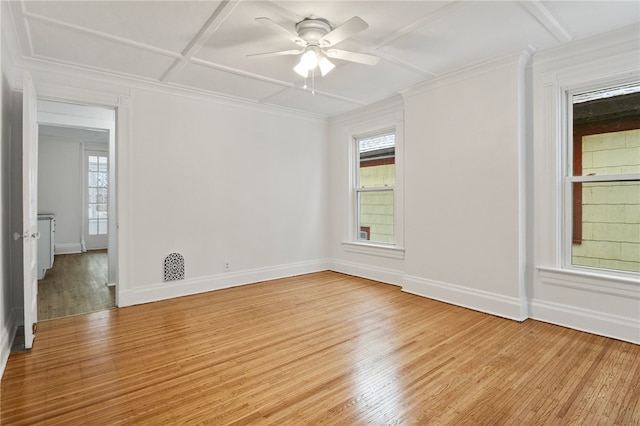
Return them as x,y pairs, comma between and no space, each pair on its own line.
118,150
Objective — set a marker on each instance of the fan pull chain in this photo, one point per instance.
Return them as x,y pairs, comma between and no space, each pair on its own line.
313,81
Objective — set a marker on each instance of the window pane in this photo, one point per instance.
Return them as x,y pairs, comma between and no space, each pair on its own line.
93,195
93,212
609,153
102,210
93,163
102,227
102,181
93,227
606,132
102,164
375,216
376,161
102,195
610,226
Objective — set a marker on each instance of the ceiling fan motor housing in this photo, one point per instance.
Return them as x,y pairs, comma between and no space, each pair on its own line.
312,30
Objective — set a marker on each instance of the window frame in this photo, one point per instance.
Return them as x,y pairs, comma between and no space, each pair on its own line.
351,243
359,189
97,154
88,242
567,196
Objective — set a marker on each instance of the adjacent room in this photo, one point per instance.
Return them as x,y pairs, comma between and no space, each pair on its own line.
303,212
74,273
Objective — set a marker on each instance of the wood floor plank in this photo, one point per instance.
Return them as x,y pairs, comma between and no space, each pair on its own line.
323,348
76,284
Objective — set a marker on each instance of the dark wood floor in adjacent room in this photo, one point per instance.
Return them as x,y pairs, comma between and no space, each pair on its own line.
76,284
324,348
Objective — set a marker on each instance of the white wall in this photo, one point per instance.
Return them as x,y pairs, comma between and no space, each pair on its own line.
220,183
59,189
464,184
7,316
463,174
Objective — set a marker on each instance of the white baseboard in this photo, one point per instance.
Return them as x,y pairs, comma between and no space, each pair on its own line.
171,289
384,275
478,300
8,334
608,325
69,248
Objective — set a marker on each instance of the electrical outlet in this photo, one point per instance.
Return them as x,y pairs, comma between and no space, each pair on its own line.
226,266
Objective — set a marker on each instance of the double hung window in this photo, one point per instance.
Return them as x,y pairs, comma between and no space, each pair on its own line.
602,183
374,190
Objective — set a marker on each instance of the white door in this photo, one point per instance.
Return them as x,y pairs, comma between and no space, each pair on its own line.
29,207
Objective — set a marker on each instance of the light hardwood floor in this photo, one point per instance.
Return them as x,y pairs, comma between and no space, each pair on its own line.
75,285
323,349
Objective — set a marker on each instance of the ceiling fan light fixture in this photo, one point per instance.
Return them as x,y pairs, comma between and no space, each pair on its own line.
310,59
308,62
325,65
301,69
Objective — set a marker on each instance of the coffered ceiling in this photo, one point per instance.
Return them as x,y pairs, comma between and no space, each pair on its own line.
203,45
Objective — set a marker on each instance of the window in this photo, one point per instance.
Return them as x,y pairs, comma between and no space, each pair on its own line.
603,180
98,194
374,189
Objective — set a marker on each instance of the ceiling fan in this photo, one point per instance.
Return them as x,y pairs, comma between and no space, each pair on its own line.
316,38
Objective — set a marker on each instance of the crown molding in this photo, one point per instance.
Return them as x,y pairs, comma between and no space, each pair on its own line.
514,59
10,45
220,15
621,40
48,75
383,108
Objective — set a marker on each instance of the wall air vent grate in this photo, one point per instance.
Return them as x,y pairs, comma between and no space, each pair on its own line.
174,267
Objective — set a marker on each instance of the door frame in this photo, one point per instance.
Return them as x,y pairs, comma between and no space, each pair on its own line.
65,114
119,170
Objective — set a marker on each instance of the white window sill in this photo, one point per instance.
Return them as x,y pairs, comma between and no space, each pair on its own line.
372,249
617,285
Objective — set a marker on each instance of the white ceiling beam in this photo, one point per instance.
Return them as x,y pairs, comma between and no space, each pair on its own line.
439,13
283,12
219,16
18,10
240,73
436,15
546,19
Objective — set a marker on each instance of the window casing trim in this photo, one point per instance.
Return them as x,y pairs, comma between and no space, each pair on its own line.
594,280
566,179
391,123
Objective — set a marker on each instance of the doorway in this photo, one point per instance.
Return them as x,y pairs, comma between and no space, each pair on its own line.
76,186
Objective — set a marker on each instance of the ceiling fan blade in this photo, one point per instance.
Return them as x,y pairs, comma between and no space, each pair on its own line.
287,32
344,31
361,58
278,53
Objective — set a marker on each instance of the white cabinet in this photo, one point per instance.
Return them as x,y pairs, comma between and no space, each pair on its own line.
46,228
